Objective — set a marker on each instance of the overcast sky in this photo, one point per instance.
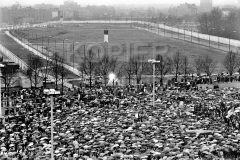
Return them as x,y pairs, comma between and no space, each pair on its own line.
110,2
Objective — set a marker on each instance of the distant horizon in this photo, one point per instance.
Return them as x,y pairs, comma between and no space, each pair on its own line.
8,3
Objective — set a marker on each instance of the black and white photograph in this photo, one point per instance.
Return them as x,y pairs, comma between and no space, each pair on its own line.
120,80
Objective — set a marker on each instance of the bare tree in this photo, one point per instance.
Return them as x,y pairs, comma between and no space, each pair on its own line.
47,67
55,67
88,65
46,70
63,71
204,21
106,65
9,73
127,70
216,17
208,65
186,69
35,64
231,62
164,67
177,64
138,66
198,65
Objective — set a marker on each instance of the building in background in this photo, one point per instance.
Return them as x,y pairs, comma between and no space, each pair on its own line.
43,6
205,5
183,10
24,15
69,9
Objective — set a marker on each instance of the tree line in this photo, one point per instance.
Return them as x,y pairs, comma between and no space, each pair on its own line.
134,69
219,24
137,66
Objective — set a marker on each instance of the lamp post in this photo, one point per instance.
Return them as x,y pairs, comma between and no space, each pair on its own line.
153,61
198,38
178,31
73,54
164,28
51,93
37,41
184,32
191,34
63,48
42,44
1,110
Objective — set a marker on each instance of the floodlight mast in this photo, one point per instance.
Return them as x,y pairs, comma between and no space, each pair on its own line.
51,93
1,110
153,61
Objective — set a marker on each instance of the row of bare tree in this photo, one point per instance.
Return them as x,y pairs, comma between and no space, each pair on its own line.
137,66
218,24
40,69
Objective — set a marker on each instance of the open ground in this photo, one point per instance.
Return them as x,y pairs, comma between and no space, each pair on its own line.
85,34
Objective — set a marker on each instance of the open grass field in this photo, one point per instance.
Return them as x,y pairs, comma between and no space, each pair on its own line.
85,34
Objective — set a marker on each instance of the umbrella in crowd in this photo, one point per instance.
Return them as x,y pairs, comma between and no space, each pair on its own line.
95,124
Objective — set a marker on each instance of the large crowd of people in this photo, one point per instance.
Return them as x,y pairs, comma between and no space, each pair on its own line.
122,123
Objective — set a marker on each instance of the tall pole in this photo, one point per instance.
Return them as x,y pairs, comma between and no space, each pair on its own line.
55,45
52,150
209,38
164,29
178,32
153,84
42,44
191,35
73,54
184,32
229,45
1,114
48,45
36,41
198,38
28,40
63,48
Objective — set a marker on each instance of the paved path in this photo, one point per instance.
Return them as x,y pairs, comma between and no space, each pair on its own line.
66,84
34,51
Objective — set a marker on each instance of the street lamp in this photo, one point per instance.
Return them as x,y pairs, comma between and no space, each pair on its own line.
184,32
63,47
191,34
164,28
51,93
178,31
153,61
1,109
37,41
73,54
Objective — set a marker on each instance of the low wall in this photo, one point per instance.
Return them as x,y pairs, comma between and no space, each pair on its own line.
13,57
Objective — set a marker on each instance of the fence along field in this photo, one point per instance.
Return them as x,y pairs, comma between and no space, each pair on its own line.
122,35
